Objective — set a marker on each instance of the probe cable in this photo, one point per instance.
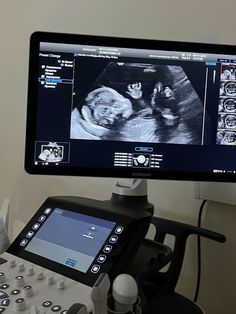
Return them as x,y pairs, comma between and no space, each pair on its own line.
199,251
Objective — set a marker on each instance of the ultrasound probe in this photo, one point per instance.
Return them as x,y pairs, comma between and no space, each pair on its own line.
99,294
124,292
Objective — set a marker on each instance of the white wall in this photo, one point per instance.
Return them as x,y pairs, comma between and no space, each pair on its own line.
170,19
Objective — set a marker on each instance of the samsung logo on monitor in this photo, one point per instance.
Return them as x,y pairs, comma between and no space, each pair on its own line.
141,174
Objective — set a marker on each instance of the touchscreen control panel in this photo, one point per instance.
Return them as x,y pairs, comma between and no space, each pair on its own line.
71,239
74,242
59,255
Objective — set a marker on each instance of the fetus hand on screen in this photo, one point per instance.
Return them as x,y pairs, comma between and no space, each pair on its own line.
135,90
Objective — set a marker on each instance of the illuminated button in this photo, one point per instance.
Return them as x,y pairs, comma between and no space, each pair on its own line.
47,211
27,291
64,312
29,234
42,218
35,226
119,230
101,258
15,292
20,304
47,303
2,309
3,295
19,281
4,286
107,249
113,239
23,242
95,269
56,308
5,302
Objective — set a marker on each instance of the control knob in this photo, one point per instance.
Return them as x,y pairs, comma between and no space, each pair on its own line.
40,276
12,263
61,284
20,304
21,267
30,271
27,291
19,281
50,280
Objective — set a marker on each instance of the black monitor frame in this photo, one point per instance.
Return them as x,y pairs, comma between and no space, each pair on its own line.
224,175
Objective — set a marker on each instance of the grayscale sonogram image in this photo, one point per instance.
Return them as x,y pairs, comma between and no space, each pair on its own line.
142,103
226,137
228,72
227,105
228,88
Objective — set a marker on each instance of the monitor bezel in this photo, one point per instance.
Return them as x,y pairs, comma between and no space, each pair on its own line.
124,42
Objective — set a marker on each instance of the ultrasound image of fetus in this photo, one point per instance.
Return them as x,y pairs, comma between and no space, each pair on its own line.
226,138
178,108
230,121
104,109
228,88
227,105
142,103
228,72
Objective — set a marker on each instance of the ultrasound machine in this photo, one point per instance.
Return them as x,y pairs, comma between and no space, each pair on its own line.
125,108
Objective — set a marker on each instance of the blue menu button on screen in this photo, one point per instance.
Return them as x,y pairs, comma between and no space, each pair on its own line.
71,262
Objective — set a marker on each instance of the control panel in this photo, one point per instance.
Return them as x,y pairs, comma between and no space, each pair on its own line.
63,250
28,288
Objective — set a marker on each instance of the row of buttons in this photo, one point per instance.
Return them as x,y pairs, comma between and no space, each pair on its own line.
35,227
54,308
29,271
20,303
107,249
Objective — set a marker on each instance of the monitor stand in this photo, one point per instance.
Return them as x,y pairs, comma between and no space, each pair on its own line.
131,193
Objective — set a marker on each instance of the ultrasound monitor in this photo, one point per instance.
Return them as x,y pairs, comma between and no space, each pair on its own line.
131,108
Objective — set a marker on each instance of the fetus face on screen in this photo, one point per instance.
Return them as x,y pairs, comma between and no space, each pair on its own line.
107,107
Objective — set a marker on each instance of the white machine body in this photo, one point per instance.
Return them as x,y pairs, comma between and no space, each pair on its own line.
28,288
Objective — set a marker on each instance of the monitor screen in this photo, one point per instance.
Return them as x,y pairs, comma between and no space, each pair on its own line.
120,107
